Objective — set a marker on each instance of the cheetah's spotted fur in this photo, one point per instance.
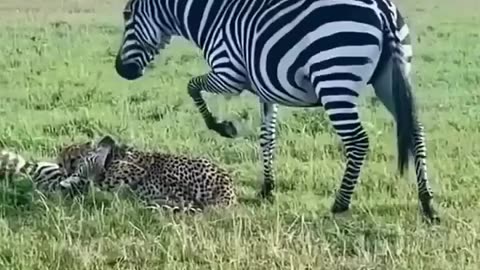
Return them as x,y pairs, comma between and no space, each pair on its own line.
166,180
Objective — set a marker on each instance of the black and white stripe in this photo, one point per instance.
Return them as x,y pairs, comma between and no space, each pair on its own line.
89,168
299,53
46,176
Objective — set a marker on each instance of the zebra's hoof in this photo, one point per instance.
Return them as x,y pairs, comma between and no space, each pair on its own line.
339,208
227,129
266,194
430,215
434,220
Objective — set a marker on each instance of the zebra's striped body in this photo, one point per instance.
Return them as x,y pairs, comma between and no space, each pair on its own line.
46,176
300,53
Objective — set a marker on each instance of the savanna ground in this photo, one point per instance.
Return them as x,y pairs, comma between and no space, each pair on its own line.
58,84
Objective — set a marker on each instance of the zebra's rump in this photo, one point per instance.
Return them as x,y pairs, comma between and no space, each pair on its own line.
291,42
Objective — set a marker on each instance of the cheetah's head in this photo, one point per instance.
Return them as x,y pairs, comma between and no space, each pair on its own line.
92,167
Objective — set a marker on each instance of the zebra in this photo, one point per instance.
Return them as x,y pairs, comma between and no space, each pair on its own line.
296,53
46,176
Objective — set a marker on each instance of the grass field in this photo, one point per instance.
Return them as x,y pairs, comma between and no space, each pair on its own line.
58,85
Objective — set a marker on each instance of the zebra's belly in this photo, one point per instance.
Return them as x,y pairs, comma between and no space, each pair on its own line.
302,94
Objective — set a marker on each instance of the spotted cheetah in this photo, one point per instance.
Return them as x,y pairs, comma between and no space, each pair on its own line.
166,180
71,155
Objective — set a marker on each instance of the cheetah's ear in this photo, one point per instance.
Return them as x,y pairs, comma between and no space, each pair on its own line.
104,150
104,155
107,141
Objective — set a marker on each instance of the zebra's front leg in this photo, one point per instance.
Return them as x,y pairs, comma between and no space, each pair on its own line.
204,83
268,144
346,121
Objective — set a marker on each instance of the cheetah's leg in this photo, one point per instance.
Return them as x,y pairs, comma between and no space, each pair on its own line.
168,195
174,205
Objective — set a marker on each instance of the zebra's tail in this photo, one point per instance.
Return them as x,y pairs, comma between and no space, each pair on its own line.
13,164
404,101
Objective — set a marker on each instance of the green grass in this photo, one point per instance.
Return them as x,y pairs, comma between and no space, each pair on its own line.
58,85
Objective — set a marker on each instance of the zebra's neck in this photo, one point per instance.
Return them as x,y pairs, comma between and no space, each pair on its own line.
198,21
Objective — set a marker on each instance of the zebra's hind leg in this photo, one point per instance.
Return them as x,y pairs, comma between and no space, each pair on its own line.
346,122
210,83
383,90
338,94
425,192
